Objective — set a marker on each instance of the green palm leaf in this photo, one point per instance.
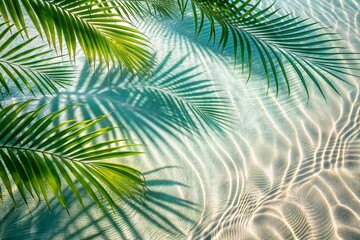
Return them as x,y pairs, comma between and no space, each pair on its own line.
278,41
101,33
35,153
29,66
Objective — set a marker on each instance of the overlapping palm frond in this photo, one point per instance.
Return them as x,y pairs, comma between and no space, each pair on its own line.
279,42
28,66
100,32
35,153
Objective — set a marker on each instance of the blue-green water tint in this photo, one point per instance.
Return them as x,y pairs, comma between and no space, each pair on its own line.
288,169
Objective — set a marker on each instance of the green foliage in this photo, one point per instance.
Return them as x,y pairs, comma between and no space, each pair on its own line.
29,66
277,40
102,35
35,153
103,30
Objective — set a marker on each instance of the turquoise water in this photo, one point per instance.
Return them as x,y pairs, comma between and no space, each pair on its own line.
288,168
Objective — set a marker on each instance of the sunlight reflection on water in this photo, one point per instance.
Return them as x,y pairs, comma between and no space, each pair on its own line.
288,169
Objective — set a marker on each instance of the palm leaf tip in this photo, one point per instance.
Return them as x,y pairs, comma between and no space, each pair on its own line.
39,156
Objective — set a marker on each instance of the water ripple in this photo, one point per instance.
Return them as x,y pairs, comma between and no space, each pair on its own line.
290,169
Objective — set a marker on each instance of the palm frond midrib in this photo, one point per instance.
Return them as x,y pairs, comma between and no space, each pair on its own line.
35,150
24,67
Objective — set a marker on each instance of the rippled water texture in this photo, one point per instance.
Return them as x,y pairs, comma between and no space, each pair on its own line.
290,169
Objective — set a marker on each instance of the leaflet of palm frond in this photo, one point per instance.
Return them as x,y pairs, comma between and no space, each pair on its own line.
315,55
101,34
35,154
27,65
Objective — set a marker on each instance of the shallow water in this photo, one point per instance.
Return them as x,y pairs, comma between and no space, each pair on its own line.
289,168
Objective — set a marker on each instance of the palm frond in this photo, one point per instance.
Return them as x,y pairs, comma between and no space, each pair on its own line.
28,66
36,153
279,41
101,33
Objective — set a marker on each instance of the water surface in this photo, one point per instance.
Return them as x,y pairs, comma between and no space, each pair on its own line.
289,168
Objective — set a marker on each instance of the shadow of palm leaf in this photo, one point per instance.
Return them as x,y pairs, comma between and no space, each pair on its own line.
90,222
170,100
